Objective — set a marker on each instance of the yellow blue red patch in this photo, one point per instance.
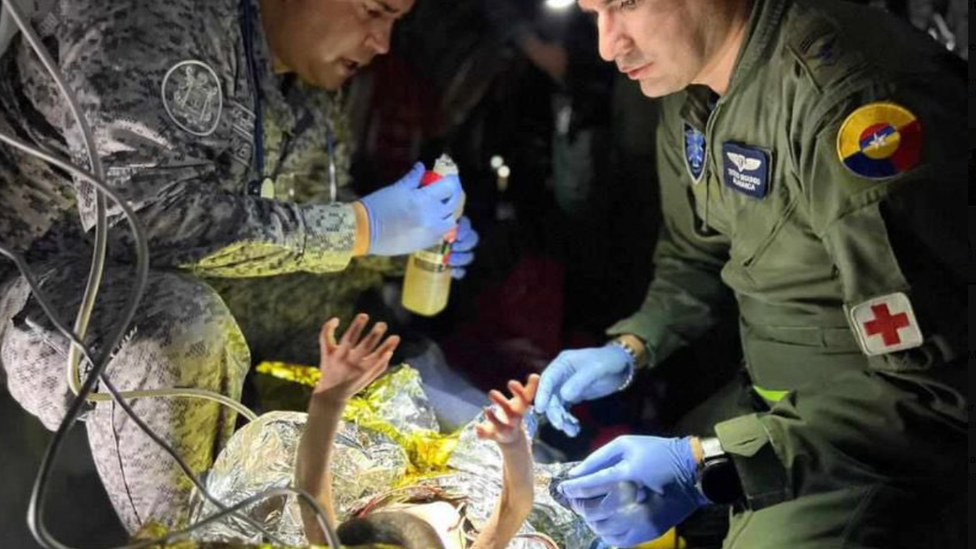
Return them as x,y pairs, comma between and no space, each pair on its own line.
880,140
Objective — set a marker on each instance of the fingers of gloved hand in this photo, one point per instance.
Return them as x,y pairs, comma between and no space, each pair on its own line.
600,472
467,237
556,414
571,425
457,273
608,501
580,386
637,524
460,259
445,193
561,419
411,180
602,374
553,377
616,451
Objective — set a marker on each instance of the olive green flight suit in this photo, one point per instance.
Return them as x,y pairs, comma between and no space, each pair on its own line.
860,447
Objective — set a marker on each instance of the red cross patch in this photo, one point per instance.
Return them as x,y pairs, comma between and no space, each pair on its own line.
886,324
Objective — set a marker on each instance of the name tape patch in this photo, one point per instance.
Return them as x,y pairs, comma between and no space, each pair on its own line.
746,169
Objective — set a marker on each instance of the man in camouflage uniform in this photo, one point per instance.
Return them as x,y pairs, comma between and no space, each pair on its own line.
183,98
811,158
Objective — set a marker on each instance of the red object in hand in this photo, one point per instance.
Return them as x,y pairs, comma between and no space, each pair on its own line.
429,178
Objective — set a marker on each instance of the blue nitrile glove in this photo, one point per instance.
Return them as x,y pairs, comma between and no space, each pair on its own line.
575,376
620,516
462,251
665,467
404,218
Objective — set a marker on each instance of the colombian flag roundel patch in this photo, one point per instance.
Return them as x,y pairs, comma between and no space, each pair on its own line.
880,140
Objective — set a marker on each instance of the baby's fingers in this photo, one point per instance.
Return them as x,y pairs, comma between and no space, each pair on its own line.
532,387
485,430
355,329
510,411
520,401
500,424
385,348
368,344
327,341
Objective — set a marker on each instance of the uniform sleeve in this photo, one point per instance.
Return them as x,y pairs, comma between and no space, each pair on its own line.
115,56
898,250
686,296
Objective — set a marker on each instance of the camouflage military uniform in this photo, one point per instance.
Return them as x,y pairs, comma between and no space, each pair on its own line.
165,87
824,193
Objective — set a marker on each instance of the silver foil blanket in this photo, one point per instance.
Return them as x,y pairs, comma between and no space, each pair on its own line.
368,463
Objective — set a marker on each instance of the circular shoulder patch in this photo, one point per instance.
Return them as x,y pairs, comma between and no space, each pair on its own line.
880,140
193,97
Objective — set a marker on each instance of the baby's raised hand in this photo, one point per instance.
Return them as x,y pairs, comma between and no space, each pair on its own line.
505,425
354,361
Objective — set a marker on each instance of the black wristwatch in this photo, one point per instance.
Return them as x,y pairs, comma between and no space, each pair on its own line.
718,480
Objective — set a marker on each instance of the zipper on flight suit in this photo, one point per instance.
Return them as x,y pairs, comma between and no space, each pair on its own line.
712,115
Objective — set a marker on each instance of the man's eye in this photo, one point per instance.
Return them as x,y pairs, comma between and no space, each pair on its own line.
373,13
628,4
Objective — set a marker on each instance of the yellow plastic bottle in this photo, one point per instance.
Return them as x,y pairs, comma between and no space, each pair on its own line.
427,283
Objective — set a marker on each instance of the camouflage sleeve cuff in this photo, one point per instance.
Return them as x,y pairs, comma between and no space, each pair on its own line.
761,472
330,233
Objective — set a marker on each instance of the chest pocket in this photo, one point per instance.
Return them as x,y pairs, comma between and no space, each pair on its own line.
757,223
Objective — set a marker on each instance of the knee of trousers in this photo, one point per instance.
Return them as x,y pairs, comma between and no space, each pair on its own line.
182,336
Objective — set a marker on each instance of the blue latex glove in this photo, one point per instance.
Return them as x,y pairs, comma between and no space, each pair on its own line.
575,376
664,467
404,218
462,251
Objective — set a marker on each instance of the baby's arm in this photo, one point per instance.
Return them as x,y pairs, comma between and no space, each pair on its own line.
505,428
347,367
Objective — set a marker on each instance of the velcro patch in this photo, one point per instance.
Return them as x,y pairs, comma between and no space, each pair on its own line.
886,324
746,169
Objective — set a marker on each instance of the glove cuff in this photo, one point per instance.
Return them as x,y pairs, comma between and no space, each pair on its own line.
374,226
631,362
689,468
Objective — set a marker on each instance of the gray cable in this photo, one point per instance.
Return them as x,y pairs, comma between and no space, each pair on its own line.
75,340
116,396
97,270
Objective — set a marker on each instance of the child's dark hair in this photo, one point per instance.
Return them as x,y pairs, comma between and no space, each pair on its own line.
392,528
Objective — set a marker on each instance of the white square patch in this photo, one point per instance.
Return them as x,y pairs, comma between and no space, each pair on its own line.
886,324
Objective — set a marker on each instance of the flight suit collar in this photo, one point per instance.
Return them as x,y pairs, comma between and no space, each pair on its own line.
761,34
699,102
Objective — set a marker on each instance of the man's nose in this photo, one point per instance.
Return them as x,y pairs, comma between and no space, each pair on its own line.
611,39
379,37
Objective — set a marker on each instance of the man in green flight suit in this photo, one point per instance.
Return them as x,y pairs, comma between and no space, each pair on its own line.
811,159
